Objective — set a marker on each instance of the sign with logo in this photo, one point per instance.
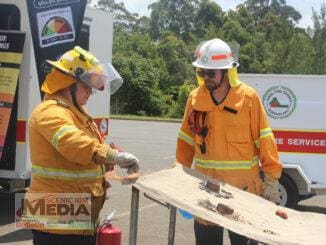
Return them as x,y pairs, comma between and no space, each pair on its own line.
53,211
279,102
301,141
55,26
11,53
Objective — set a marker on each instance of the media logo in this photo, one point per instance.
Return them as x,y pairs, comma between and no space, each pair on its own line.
53,211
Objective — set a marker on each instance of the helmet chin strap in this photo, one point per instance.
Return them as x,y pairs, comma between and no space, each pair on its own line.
73,89
221,80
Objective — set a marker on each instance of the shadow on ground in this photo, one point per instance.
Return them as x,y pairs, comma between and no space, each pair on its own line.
7,208
16,236
308,208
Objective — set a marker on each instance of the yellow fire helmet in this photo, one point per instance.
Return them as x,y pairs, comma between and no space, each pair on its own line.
83,65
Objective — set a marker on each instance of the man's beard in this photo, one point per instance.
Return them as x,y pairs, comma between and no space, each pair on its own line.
211,85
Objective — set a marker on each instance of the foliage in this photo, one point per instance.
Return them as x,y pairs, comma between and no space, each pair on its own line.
139,94
154,54
178,106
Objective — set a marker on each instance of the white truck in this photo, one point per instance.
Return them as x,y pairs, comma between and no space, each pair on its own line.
295,105
97,33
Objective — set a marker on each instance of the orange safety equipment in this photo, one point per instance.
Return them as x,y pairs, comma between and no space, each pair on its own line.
238,137
68,155
56,81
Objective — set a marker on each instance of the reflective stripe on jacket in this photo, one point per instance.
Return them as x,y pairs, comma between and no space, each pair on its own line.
238,139
75,175
63,143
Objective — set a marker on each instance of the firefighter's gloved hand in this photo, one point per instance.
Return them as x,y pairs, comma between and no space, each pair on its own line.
271,187
128,161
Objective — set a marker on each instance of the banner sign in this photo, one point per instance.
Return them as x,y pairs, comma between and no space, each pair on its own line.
301,141
55,26
11,53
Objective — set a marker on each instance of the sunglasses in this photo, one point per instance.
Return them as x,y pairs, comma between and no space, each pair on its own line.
209,73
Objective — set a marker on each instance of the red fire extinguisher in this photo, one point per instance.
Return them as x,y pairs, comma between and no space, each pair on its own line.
107,233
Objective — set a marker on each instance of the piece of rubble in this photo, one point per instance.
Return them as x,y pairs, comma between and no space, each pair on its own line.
282,214
269,232
207,204
209,186
215,189
224,194
224,209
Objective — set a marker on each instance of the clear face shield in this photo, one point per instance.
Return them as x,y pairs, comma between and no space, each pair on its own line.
102,76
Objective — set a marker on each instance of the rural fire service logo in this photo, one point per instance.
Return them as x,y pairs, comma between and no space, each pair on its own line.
279,102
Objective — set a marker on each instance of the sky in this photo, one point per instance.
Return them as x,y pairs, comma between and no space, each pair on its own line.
304,7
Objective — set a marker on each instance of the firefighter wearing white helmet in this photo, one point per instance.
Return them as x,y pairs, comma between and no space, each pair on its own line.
67,151
215,54
225,133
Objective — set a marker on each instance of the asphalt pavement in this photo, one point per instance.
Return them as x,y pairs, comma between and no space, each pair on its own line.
154,144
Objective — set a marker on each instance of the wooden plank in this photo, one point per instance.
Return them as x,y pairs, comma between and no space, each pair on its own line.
253,216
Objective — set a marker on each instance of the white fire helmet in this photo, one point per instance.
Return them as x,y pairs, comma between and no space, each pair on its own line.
214,54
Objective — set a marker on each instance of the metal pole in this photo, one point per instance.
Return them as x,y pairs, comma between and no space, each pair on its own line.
173,214
134,216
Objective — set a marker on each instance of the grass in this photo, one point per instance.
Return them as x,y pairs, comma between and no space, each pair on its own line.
144,118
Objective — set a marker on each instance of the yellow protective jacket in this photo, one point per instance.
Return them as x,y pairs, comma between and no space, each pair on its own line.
67,154
238,138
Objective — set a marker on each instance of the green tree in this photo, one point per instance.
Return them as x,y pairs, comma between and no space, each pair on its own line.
176,16
140,93
177,59
177,108
233,31
300,58
319,40
209,15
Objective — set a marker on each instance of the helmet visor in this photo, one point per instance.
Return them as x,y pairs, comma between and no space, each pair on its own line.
103,76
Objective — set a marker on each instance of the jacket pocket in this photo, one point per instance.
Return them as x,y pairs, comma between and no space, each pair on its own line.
238,144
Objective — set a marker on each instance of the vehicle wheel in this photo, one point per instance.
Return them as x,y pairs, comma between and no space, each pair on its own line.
289,195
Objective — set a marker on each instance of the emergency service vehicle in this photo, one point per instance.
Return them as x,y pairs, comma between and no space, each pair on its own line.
96,35
295,105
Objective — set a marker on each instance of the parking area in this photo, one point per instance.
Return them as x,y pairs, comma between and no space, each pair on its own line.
154,144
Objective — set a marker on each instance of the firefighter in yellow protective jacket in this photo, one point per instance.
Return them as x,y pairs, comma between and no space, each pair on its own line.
67,151
226,134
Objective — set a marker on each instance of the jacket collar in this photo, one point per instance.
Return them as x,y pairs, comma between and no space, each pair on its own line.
61,100
201,99
234,99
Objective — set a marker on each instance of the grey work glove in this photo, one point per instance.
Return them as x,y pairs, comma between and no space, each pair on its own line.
128,161
271,187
